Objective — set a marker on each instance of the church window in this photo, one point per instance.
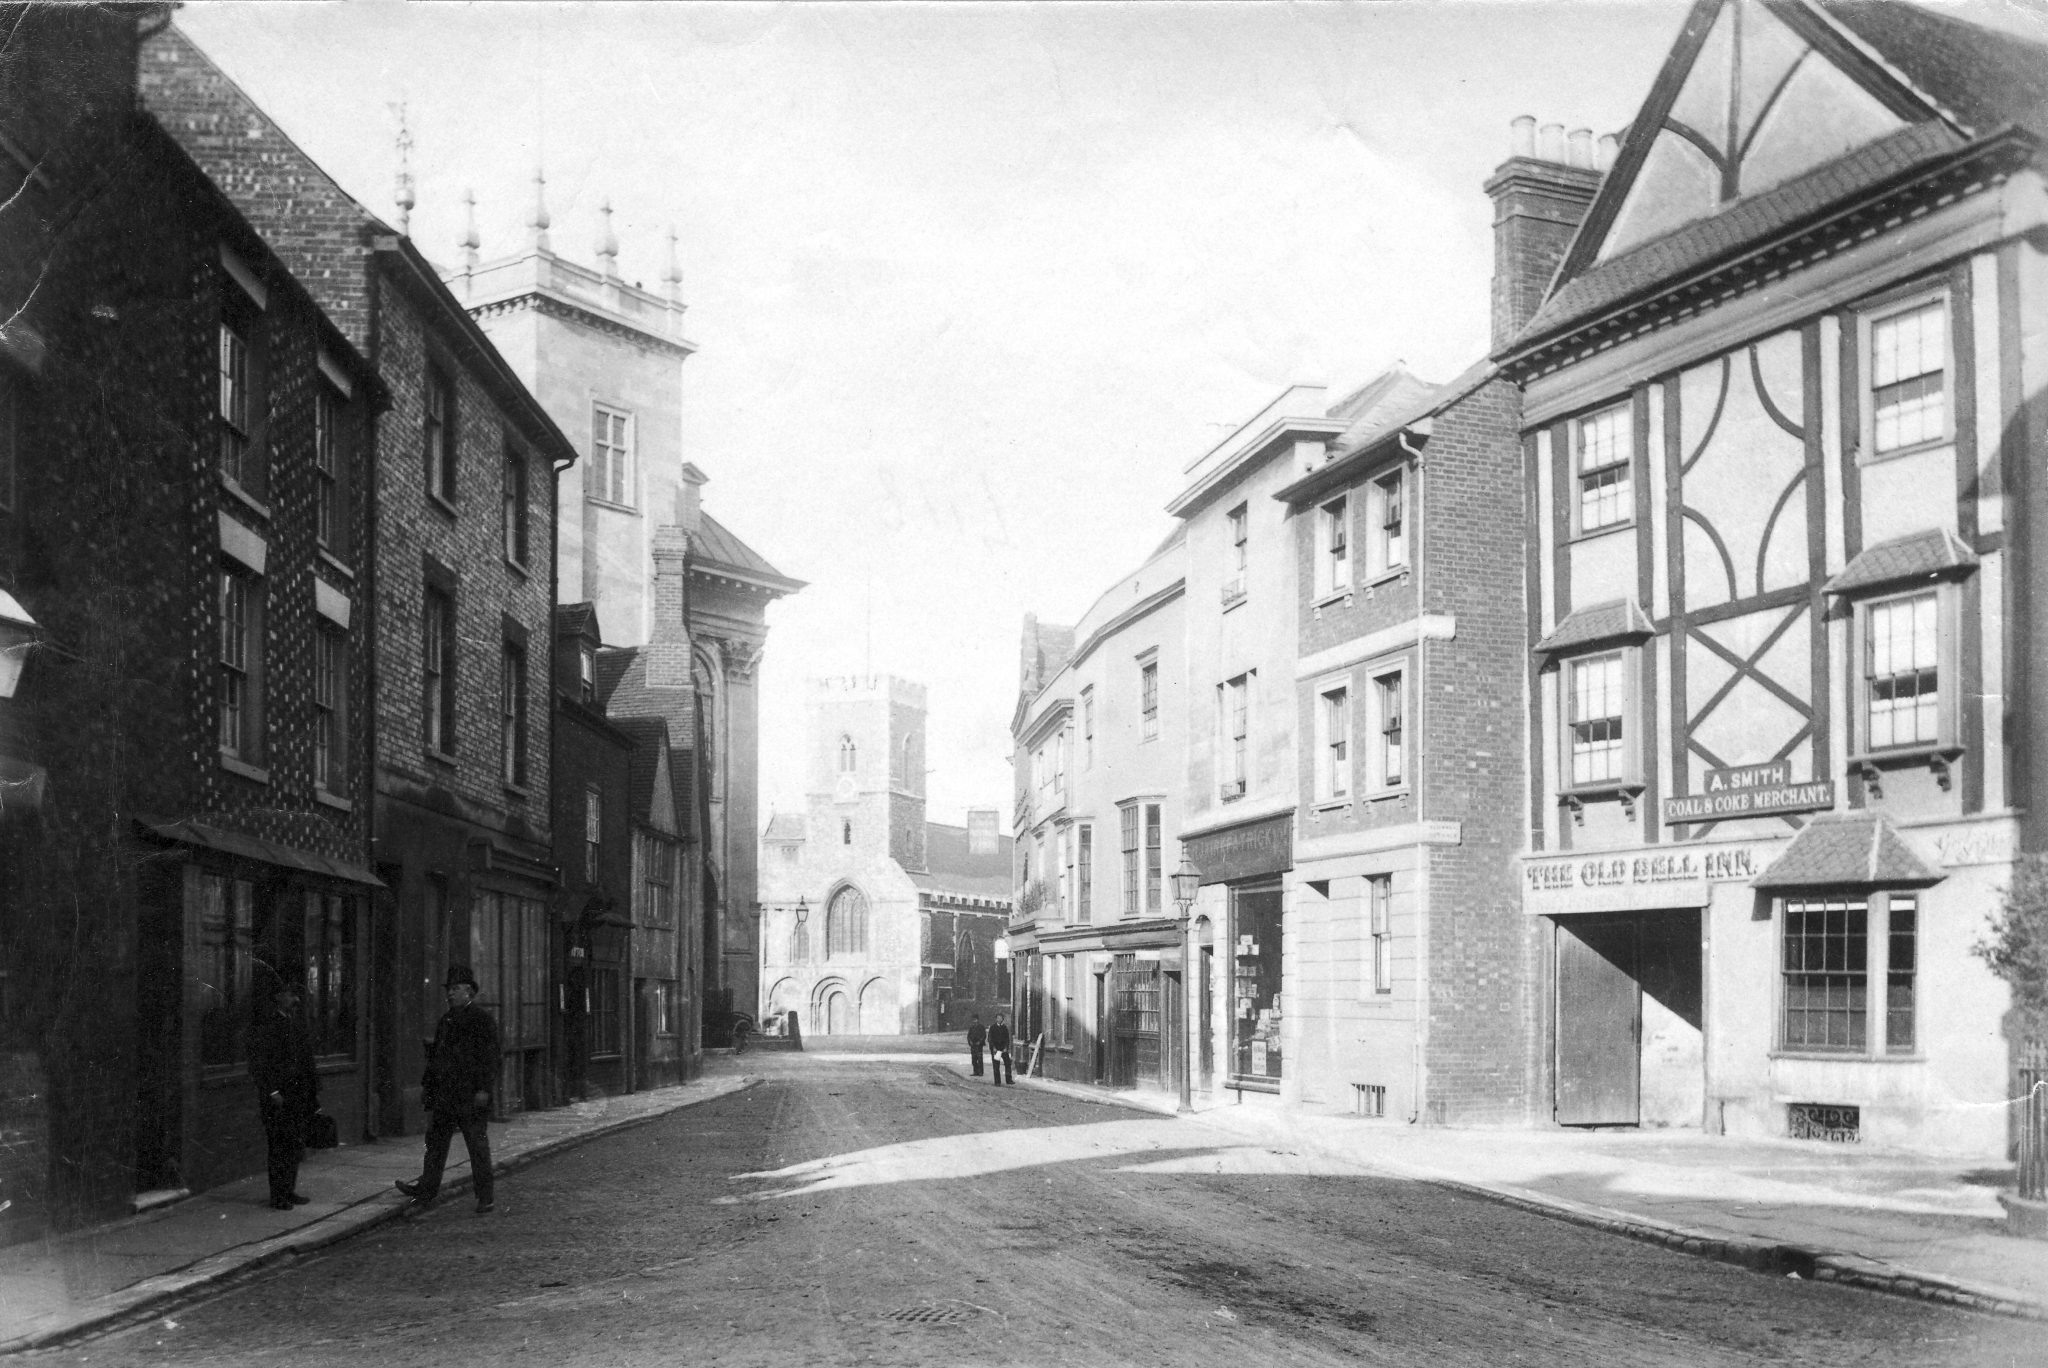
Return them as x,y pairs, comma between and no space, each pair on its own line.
846,924
846,833
847,755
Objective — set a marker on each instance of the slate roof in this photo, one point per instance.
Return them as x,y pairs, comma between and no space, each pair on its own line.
714,544
949,868
1853,850
577,619
643,764
1983,77
1928,555
1615,621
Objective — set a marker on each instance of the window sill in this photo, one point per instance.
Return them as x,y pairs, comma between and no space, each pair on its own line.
1599,532
1904,755
1331,805
439,757
518,567
244,497
1382,795
335,563
244,768
1845,1057
333,800
1334,596
436,500
1626,792
1389,576
615,507
519,791
1238,602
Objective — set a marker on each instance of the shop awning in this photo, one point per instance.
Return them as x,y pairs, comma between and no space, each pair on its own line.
206,837
1854,850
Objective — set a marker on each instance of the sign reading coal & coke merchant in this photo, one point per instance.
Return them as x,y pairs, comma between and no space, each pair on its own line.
1749,791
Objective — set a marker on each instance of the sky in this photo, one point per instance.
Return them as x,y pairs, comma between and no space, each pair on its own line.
971,284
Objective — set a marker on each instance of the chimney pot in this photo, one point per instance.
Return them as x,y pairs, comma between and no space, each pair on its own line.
1610,146
1582,147
1550,145
1522,136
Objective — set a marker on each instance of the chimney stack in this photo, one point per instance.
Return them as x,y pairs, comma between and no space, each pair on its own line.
1540,194
668,646
690,498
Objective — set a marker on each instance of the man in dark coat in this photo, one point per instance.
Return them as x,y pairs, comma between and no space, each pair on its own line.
999,1052
462,1071
977,1037
287,1090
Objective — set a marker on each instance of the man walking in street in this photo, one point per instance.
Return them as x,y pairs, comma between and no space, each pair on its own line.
999,1052
462,1067
287,1091
977,1037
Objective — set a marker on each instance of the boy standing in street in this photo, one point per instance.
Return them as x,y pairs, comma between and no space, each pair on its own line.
977,1037
462,1067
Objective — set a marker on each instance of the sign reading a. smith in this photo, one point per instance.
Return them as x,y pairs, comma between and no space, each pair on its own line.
1749,791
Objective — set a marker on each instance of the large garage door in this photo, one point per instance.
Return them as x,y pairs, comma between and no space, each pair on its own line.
1599,1024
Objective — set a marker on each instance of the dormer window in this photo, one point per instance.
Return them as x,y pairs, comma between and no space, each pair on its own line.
586,674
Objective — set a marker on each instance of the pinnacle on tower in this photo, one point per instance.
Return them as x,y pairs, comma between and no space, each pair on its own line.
470,240
538,219
672,276
403,195
607,242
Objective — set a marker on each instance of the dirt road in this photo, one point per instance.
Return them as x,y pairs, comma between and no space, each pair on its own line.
893,1212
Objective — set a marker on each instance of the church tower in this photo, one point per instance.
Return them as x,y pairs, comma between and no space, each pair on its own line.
867,765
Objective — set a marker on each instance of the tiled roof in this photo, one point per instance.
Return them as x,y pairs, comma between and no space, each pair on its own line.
1982,77
714,544
577,619
1855,850
1742,224
622,692
785,826
643,764
1922,556
950,868
1616,621
1397,399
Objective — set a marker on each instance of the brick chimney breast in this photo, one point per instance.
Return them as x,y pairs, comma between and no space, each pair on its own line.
668,652
1540,194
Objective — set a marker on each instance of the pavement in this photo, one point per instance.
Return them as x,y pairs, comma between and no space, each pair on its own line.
1908,1224
103,1277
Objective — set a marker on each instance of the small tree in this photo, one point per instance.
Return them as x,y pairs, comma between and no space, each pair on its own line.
2017,946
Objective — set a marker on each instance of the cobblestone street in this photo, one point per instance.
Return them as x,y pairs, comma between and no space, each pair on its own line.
894,1212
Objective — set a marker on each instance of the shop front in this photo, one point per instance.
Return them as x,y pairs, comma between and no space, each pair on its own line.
1243,1022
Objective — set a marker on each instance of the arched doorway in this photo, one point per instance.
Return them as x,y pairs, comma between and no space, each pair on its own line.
877,1010
832,1009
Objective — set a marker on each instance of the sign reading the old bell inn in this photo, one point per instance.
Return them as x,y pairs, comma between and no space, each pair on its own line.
1637,879
1749,791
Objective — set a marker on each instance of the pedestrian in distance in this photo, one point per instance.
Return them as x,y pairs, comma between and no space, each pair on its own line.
977,1040
462,1070
999,1052
287,1090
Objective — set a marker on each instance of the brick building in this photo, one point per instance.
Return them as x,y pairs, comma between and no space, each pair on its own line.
1779,411
461,612
189,543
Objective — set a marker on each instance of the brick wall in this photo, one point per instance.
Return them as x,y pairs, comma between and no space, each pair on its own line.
1481,1010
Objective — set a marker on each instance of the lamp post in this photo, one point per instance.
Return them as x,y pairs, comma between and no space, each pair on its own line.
1187,885
803,911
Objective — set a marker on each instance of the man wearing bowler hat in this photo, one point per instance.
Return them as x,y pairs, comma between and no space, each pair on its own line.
462,1067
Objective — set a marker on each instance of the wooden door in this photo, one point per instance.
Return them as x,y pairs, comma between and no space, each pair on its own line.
1599,1024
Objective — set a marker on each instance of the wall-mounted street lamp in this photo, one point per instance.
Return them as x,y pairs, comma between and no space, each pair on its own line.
17,639
803,911
1187,886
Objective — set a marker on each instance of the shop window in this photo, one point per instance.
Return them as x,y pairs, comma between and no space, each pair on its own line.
227,933
330,950
1255,986
508,951
1602,452
1830,961
1906,404
1333,547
